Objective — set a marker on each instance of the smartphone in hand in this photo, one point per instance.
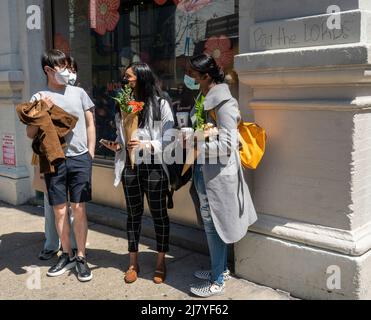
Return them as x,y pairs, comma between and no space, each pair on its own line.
111,145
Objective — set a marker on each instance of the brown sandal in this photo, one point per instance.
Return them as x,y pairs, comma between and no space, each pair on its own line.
159,276
131,275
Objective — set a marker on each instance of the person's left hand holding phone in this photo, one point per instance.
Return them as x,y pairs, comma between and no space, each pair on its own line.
111,145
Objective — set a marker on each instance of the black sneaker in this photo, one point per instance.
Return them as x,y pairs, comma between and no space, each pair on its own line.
47,254
74,251
64,263
83,271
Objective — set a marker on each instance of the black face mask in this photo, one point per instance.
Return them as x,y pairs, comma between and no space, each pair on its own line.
124,81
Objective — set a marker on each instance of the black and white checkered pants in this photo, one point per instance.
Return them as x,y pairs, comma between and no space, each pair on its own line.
151,180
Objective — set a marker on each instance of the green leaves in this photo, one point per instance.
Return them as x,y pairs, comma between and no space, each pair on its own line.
200,112
123,97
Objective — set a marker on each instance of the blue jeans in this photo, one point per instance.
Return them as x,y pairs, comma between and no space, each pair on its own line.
217,247
52,242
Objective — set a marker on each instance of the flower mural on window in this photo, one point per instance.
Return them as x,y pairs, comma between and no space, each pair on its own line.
191,6
107,15
186,5
160,2
61,43
220,48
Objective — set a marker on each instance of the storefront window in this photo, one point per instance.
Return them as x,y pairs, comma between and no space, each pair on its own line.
105,36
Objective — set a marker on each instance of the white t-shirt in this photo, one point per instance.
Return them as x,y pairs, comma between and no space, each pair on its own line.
75,101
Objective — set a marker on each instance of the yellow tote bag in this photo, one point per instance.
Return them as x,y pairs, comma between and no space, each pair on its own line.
252,143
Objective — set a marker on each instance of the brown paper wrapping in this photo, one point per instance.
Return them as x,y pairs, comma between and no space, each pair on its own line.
191,158
130,125
193,154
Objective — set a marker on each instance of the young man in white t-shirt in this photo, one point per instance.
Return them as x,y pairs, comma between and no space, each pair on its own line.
72,177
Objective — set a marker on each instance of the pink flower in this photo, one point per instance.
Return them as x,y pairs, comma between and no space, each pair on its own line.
160,2
192,6
107,15
220,48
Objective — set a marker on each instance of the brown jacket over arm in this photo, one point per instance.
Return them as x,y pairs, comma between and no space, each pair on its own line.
54,124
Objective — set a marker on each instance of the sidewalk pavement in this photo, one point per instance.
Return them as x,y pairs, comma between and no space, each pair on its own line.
22,237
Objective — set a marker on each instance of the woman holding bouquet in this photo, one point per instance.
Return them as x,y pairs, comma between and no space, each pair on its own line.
224,198
149,177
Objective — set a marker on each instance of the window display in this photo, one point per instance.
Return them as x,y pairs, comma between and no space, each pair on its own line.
104,36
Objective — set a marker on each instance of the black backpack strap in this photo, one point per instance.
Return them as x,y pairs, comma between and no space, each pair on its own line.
170,202
170,192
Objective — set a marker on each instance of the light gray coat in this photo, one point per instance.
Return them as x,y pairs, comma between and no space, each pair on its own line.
229,197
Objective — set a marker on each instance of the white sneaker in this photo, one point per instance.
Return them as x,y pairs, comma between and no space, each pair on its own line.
206,275
207,289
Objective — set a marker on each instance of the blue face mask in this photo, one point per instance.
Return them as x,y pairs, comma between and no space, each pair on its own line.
191,83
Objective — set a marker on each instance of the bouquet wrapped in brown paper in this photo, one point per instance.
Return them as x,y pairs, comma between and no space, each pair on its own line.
202,131
205,131
130,110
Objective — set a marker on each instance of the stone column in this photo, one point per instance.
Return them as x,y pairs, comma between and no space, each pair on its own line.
20,76
311,91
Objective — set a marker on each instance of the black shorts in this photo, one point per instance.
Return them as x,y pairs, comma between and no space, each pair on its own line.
72,178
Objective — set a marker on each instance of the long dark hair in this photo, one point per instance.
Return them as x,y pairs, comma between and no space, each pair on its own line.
147,91
206,64
72,64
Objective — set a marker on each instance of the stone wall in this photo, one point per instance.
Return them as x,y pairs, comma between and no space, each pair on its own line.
20,76
309,87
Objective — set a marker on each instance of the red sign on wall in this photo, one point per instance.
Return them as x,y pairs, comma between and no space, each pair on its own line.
9,150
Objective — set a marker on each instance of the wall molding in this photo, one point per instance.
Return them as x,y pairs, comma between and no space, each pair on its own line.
308,77
15,173
353,54
351,242
357,105
11,86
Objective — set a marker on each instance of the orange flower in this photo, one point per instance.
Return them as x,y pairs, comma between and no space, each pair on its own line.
107,15
135,106
221,50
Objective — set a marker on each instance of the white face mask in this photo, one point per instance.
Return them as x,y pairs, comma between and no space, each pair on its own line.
191,83
62,77
72,79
